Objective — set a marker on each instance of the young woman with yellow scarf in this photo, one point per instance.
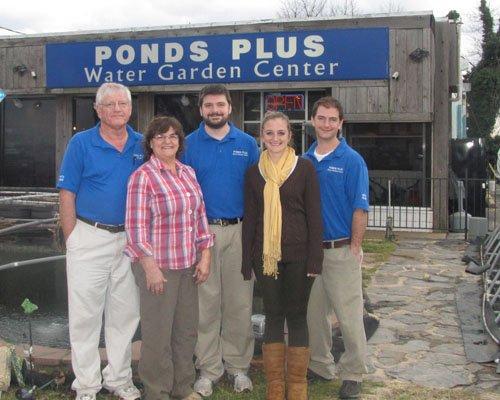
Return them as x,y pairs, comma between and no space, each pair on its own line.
282,237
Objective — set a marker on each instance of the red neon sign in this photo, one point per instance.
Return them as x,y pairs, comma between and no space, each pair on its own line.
285,102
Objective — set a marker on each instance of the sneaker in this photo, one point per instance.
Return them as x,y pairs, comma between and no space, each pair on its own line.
242,383
85,396
203,386
350,390
126,392
192,396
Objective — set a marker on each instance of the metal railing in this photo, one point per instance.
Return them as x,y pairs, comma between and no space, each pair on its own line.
474,206
404,203
438,204
483,258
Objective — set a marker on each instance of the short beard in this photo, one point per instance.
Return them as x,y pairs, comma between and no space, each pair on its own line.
217,125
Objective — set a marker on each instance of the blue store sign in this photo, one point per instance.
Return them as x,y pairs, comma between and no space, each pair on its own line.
321,55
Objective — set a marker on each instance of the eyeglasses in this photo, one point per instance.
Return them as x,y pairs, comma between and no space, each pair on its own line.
112,105
161,136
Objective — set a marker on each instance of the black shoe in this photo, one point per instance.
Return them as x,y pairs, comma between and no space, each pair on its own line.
350,390
371,323
314,377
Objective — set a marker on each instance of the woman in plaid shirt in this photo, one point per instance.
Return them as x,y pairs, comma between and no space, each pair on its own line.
167,232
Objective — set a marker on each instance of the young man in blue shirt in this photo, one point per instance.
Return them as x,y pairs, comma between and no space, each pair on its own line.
93,188
220,155
343,180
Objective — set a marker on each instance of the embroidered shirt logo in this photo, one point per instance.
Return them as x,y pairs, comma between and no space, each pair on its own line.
240,153
138,156
338,170
61,178
364,196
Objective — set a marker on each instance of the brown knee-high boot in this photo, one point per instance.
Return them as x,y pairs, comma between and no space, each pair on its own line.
297,361
274,367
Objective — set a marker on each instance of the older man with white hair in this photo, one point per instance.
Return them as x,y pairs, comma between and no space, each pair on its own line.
93,188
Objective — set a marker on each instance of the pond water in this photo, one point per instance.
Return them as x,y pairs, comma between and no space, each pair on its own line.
44,284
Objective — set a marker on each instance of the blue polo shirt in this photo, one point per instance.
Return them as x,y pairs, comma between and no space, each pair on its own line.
343,183
98,174
220,167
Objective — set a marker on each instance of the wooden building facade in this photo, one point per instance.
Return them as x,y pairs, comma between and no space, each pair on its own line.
394,74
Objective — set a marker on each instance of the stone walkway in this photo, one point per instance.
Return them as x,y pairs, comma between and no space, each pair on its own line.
419,339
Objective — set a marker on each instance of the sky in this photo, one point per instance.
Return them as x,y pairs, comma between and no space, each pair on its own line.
36,16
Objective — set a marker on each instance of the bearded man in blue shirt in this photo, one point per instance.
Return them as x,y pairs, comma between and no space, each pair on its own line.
220,154
343,180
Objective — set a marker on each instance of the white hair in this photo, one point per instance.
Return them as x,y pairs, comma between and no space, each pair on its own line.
108,87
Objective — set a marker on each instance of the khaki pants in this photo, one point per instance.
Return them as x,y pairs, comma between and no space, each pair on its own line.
225,337
169,324
337,289
100,280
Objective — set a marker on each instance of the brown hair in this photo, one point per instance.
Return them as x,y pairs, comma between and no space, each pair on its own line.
328,102
162,125
214,89
277,115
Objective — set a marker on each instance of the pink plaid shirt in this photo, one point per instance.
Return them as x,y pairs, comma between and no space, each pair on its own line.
166,216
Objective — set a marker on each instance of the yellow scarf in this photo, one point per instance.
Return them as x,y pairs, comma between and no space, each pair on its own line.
274,175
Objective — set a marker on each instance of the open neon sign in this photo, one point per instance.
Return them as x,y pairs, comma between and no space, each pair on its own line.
285,102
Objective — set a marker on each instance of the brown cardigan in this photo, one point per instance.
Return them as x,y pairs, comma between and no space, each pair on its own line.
302,228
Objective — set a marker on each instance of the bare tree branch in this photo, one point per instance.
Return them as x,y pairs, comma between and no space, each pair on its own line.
344,7
473,31
392,6
302,8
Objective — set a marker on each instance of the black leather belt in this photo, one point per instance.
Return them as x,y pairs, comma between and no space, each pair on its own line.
224,221
106,227
335,244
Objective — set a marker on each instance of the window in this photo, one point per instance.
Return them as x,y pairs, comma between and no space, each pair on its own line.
384,146
184,107
85,117
252,106
395,152
297,105
28,142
